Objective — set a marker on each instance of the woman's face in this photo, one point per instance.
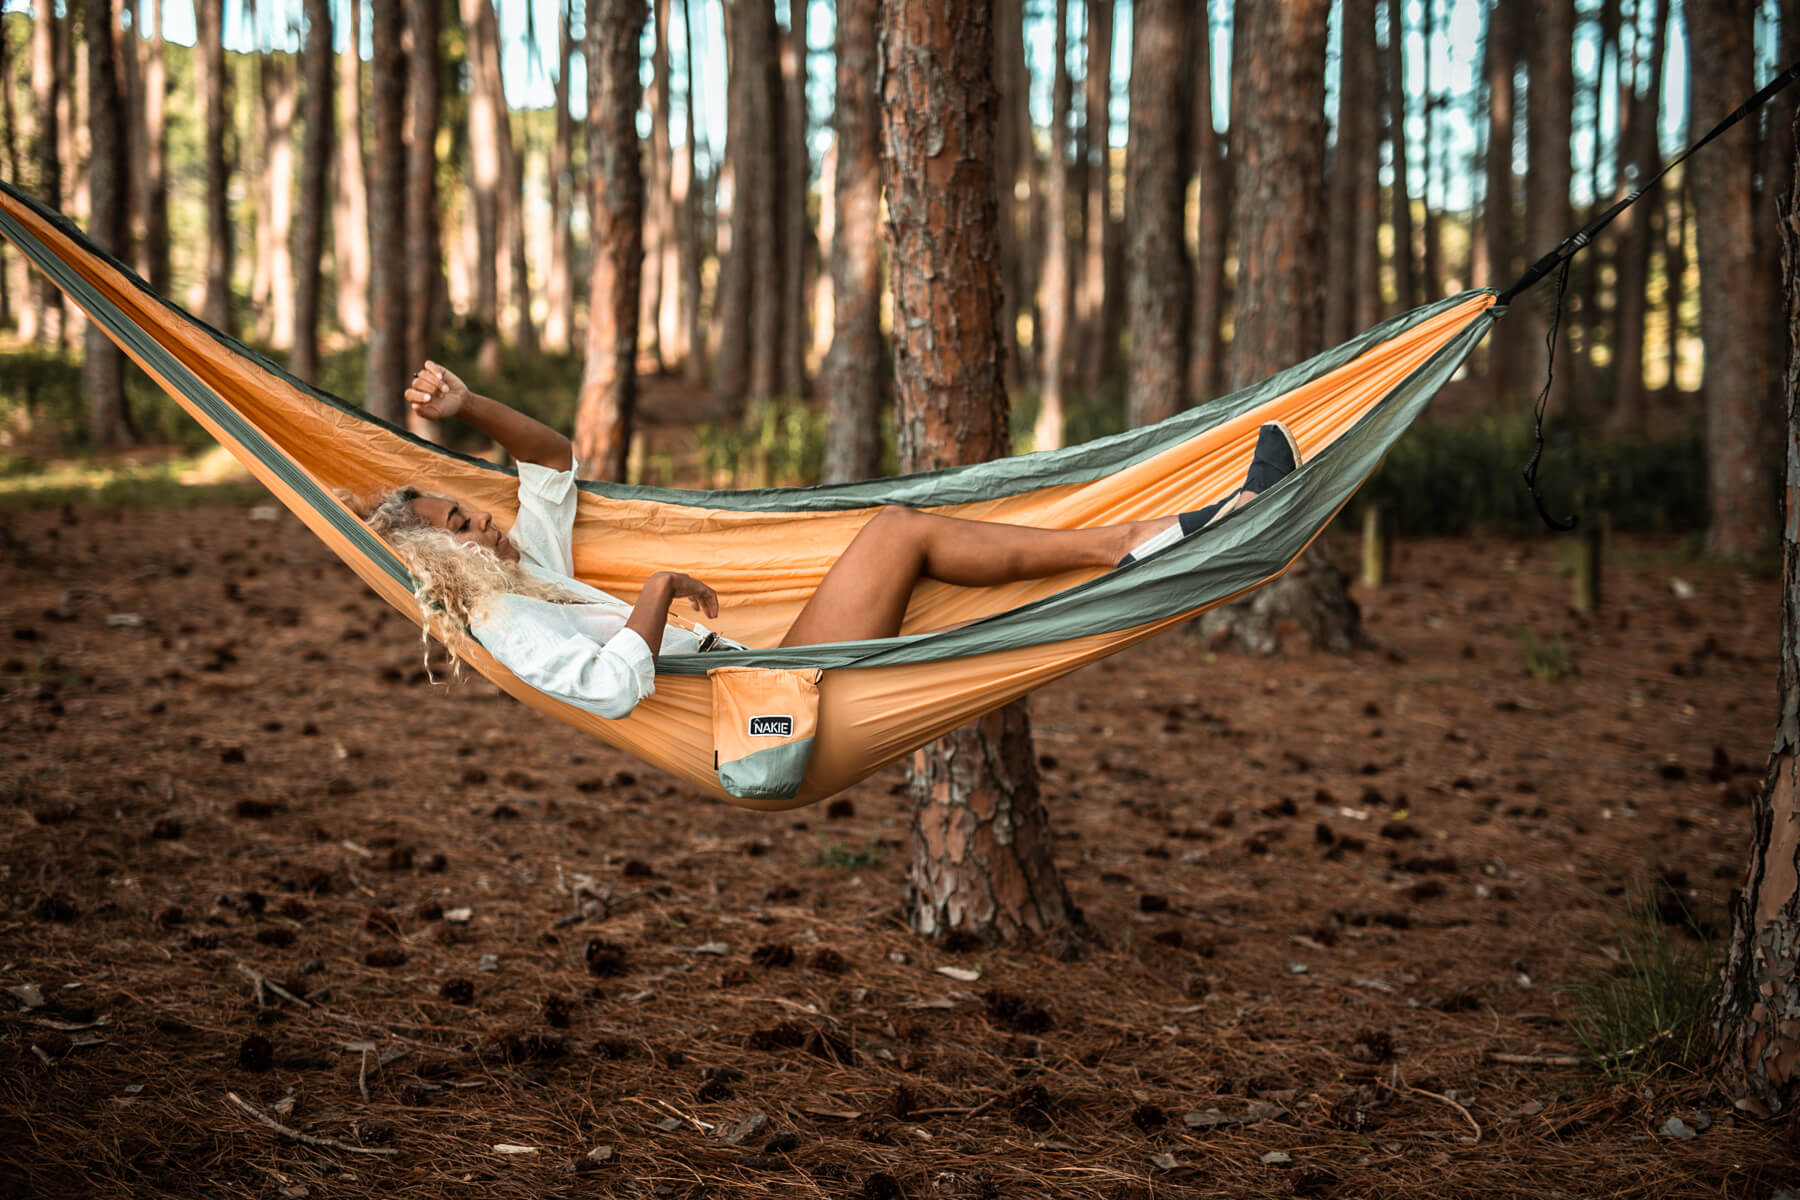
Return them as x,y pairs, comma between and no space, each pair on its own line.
466,524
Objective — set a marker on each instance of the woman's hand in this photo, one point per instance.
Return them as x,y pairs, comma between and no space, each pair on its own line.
702,597
435,393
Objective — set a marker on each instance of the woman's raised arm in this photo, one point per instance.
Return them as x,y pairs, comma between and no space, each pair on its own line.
436,393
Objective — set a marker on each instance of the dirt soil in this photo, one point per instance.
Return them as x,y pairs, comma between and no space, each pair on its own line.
255,870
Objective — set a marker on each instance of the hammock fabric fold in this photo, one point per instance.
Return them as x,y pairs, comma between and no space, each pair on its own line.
765,551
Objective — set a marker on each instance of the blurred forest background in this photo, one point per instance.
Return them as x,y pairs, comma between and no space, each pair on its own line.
354,188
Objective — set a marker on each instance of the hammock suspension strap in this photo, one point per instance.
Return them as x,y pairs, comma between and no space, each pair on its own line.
1558,260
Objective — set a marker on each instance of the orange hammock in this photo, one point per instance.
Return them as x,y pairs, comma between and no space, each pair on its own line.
765,551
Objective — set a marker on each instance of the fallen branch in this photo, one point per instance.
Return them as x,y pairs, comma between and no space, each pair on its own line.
1442,1099
1534,1060
263,983
306,1139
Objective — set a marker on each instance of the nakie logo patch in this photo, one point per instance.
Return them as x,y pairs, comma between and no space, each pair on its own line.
775,726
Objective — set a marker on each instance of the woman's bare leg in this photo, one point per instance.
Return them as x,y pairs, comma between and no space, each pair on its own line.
865,593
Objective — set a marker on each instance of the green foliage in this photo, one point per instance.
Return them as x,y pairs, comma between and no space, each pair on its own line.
152,486
40,392
1651,1011
780,443
1442,480
1546,660
842,857
1086,415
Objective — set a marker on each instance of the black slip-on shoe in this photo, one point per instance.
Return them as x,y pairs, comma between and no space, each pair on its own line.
1276,457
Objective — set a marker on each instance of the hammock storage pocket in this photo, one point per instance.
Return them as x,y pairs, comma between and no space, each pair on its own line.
764,720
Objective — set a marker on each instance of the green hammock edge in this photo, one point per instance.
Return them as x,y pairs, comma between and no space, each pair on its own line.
1235,555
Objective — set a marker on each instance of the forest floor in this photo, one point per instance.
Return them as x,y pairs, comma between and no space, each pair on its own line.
255,869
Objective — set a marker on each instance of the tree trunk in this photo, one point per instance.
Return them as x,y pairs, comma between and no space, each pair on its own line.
315,167
1431,260
1357,97
1278,135
1499,208
559,284
658,214
853,379
512,210
1013,152
103,364
1095,304
209,47
1365,118
981,841
153,204
350,211
689,197
281,95
388,368
796,228
1549,216
1207,371
487,110
608,402
424,241
1406,271
1757,1017
1054,300
1733,283
731,297
1633,237
766,149
1158,290
47,81
8,113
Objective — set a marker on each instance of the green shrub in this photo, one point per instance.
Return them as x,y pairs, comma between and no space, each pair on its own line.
841,857
1546,660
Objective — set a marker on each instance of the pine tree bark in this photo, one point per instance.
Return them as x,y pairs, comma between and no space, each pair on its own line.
1206,373
1406,270
1158,291
209,47
766,150
1757,1016
607,405
1499,207
487,110
277,222
658,213
388,369
1278,143
47,81
1014,152
424,239
1431,265
1733,283
153,201
1054,299
853,377
689,196
731,300
559,284
103,364
1549,214
982,862
1634,231
315,168
1096,305
350,210
1365,118
796,226
515,150
1356,97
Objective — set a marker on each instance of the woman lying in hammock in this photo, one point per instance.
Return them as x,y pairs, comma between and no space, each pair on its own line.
514,590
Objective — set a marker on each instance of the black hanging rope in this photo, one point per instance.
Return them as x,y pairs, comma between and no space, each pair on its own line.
1558,260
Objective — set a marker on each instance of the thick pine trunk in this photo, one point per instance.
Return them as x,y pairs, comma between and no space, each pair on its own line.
1054,300
559,283
1757,1019
103,364
46,311
607,405
1356,97
388,369
1206,372
1158,290
315,167
1278,143
1735,286
981,844
424,252
853,378
1633,238
796,228
1406,271
209,47
350,206
1096,306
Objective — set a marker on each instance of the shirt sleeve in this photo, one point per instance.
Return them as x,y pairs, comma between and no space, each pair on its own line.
608,680
545,528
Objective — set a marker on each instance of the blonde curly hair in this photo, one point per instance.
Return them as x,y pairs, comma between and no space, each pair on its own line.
452,580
